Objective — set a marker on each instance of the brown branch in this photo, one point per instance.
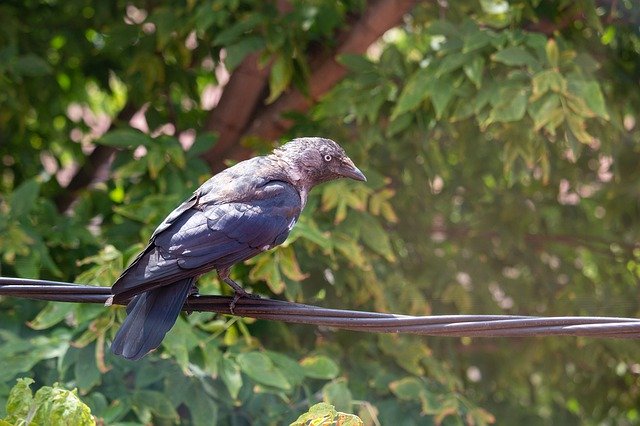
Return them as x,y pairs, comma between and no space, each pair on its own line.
239,115
379,17
241,95
230,117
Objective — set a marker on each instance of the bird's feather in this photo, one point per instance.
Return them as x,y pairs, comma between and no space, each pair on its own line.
150,316
204,237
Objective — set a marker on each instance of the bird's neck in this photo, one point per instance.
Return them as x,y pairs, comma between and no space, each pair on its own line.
288,171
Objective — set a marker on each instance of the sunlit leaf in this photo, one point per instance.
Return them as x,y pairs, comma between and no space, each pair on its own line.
552,52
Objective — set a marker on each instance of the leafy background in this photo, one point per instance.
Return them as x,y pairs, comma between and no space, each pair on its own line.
502,150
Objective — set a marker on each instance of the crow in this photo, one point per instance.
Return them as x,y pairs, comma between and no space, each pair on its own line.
238,213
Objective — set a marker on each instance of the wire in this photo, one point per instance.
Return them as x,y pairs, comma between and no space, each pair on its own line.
278,310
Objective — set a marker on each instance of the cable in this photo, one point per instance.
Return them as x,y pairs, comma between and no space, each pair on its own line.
278,310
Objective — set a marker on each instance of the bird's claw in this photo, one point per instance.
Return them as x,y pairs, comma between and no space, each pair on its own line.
239,295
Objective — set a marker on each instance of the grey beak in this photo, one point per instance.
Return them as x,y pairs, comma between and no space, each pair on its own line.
350,170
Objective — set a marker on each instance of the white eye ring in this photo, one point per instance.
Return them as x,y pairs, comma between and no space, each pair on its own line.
327,157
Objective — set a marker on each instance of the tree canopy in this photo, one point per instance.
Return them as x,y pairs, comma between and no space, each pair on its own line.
502,148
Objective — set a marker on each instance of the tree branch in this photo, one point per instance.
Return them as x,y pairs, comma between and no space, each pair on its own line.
267,122
379,17
230,117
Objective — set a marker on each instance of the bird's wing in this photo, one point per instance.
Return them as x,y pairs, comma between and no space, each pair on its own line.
208,236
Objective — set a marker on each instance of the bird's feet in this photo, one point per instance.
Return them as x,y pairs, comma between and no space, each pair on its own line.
239,295
239,292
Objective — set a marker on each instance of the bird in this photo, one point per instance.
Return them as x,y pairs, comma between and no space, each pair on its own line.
238,213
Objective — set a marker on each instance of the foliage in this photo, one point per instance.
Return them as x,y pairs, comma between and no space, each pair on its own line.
326,414
502,160
50,406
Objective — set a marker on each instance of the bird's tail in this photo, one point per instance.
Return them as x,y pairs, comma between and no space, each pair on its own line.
150,316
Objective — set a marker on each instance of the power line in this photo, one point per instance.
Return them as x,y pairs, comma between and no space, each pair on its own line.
278,310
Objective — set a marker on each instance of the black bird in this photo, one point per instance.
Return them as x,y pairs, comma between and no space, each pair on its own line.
238,213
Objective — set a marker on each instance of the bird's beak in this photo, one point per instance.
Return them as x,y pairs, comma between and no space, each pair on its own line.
348,169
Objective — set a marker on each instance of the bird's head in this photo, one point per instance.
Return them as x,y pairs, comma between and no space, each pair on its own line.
318,160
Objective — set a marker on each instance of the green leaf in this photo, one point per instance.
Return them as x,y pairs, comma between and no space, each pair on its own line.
476,40
165,23
515,56
238,51
463,109
179,341
323,414
125,138
592,95
28,266
51,405
230,375
351,250
441,95
319,367
474,70
545,112
51,315
31,66
376,238
86,370
399,124
408,389
19,401
202,407
259,367
307,229
232,33
579,128
451,62
289,265
24,198
295,373
414,92
356,63
156,402
547,80
338,394
512,107
266,269
280,77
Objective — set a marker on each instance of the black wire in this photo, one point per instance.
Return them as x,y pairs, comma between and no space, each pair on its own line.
278,310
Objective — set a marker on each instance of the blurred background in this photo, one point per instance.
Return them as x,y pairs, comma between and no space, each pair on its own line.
501,143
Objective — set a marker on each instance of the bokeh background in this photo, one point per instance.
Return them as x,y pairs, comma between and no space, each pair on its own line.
502,147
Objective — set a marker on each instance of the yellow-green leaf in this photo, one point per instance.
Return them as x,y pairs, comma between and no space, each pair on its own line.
552,52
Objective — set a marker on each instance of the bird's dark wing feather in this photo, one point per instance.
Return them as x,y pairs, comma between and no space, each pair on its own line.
149,316
176,213
204,237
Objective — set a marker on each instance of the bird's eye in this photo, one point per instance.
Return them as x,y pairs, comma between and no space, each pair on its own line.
327,157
